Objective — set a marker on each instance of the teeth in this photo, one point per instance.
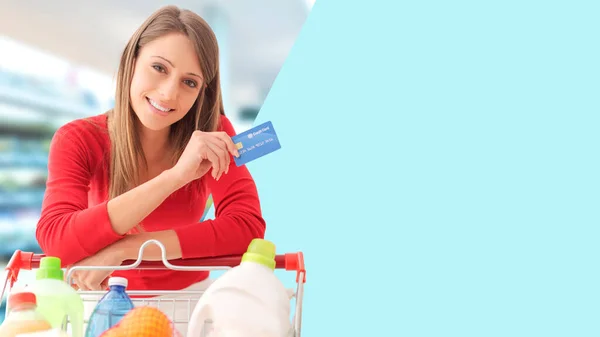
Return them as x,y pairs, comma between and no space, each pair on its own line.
154,104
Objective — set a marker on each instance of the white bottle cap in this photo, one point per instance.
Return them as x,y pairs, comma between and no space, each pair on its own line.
117,281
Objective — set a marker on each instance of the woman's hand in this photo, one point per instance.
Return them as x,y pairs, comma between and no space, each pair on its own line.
97,279
204,151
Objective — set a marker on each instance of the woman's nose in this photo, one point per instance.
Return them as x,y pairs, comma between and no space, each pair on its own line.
168,89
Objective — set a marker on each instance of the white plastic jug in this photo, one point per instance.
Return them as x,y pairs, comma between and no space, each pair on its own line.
248,298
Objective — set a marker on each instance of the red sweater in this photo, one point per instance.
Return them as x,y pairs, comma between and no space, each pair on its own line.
74,223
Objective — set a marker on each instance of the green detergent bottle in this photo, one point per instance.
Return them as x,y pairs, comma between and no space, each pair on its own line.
57,300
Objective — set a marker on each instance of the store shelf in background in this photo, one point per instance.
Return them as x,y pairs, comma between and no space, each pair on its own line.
20,151
23,160
30,198
56,100
53,108
31,109
17,232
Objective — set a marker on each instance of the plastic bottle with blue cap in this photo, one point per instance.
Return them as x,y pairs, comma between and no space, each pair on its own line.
247,300
111,308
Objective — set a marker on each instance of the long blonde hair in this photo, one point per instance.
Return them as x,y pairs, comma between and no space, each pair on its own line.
126,151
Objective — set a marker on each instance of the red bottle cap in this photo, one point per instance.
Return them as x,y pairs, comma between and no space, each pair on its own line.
21,298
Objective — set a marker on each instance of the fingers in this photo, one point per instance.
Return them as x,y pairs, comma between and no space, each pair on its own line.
223,136
221,152
90,286
217,148
79,283
74,286
74,280
104,283
89,281
213,158
226,143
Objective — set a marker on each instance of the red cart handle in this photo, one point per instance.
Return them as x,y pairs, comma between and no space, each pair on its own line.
289,261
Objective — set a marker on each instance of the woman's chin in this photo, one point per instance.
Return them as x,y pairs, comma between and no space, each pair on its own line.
154,124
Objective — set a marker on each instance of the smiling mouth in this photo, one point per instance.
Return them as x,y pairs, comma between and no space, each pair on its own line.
158,106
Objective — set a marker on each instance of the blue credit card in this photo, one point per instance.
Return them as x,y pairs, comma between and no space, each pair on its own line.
255,143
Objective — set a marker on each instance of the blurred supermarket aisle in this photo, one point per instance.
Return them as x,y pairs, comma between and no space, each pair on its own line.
56,66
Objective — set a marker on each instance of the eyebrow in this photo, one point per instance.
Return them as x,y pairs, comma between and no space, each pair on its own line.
172,65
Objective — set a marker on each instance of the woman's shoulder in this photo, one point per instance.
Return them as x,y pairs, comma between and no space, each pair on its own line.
84,137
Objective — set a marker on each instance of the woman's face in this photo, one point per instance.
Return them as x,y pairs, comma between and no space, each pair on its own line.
166,81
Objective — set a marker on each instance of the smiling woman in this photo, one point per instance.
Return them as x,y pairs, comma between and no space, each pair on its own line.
165,81
145,169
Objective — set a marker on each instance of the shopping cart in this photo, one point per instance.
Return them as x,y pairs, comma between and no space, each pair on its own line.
165,298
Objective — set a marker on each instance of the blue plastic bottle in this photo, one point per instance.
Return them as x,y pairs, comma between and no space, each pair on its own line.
111,308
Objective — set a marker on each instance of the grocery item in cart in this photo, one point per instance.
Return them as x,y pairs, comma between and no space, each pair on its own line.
54,332
57,300
23,316
247,300
144,321
111,308
165,300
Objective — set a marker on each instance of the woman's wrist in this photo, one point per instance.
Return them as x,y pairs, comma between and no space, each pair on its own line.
172,179
125,248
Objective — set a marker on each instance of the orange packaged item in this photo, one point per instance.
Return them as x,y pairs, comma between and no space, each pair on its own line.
22,316
145,321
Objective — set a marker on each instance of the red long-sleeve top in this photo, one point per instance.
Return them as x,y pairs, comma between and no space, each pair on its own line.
74,222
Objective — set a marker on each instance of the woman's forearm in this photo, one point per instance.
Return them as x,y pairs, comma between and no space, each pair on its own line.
130,208
129,246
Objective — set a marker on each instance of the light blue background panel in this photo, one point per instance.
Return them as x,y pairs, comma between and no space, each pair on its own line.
439,168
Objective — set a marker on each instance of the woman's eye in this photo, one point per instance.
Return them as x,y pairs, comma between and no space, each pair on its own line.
190,83
158,68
